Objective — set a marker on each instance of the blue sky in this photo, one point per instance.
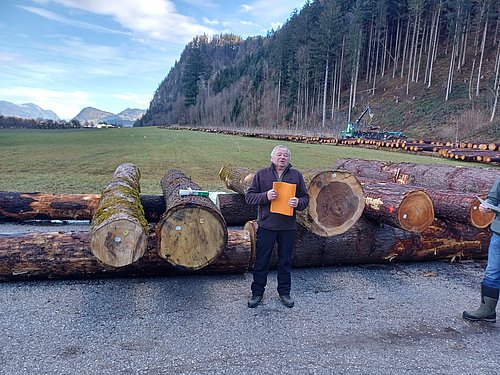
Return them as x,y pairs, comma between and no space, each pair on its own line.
65,55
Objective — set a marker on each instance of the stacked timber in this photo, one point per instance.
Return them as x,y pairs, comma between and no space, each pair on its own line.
192,232
336,198
118,236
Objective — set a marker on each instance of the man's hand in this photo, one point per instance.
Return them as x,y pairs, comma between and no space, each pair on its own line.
293,202
483,208
272,194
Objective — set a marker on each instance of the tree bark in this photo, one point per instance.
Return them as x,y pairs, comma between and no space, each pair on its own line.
46,206
440,177
192,232
67,255
235,209
369,242
401,206
43,206
119,229
336,198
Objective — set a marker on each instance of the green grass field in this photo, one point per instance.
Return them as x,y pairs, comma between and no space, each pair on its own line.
83,160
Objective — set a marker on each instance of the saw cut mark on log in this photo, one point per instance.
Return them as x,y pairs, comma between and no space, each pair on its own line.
192,232
336,202
237,179
119,229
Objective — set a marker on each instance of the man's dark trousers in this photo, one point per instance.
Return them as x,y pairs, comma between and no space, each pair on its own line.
264,249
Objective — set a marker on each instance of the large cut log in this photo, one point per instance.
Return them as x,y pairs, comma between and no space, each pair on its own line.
369,242
29,256
448,205
43,206
336,198
401,206
192,232
459,207
119,228
440,177
235,209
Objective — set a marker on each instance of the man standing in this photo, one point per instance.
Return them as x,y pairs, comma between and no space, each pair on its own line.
491,279
275,227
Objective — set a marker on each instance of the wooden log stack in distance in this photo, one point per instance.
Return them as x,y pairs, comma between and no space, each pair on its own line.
119,228
336,198
192,232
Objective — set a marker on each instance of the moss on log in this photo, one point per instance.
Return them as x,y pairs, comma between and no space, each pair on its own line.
119,228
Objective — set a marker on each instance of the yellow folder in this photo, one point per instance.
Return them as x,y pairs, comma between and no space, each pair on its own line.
285,192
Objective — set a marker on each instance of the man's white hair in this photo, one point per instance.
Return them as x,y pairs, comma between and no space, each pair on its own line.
281,146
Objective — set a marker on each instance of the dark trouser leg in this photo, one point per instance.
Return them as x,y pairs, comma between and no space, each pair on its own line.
286,241
264,249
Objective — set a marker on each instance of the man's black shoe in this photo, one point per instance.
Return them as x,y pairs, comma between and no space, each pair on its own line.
287,300
254,301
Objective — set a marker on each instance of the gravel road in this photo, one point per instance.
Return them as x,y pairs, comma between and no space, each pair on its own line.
374,319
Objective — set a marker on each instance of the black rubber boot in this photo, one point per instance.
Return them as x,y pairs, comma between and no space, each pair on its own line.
486,311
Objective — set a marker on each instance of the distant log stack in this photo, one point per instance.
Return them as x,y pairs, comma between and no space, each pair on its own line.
435,176
59,255
336,198
369,242
192,232
119,228
401,206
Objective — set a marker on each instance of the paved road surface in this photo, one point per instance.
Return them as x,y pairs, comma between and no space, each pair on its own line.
385,319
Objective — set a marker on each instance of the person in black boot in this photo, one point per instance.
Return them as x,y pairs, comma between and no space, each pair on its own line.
275,227
490,285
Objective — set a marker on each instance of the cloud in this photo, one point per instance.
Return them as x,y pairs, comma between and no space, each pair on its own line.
138,101
272,11
155,19
66,104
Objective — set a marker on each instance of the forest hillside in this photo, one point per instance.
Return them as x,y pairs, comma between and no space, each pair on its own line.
429,68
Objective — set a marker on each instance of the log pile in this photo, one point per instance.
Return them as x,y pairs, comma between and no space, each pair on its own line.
360,212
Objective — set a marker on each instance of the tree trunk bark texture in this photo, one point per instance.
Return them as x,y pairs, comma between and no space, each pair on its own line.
434,176
46,206
369,242
68,256
119,229
336,198
235,210
192,232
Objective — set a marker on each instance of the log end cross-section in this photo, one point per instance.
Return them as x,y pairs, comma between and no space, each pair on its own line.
192,232
191,237
336,202
416,211
119,228
480,219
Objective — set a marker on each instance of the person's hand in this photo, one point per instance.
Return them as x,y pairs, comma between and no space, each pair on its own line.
293,202
272,194
483,208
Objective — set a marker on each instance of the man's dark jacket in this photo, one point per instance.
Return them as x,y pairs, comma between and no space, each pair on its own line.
257,194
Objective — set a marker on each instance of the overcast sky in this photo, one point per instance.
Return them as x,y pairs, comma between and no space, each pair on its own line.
65,55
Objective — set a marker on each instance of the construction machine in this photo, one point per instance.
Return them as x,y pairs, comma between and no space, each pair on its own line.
357,130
